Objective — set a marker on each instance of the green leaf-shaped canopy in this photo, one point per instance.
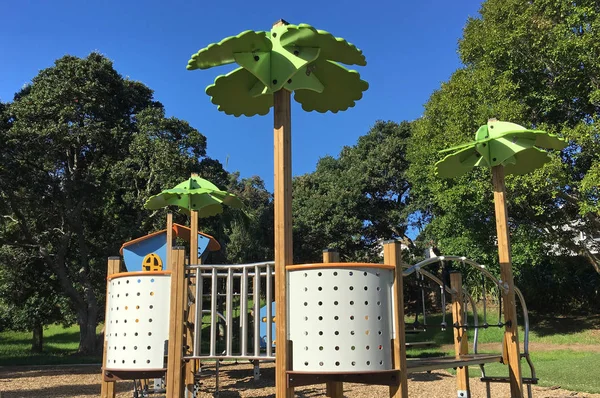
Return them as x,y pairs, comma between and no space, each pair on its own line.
296,58
500,143
195,194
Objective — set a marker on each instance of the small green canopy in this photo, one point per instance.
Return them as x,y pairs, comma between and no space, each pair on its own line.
500,143
297,58
195,194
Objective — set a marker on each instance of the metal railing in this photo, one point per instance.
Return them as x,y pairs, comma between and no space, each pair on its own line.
241,281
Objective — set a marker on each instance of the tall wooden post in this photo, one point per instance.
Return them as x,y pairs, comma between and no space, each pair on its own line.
511,337
107,388
335,389
191,366
175,353
461,342
283,232
392,255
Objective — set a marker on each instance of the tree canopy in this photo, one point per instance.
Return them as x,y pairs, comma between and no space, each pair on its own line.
535,64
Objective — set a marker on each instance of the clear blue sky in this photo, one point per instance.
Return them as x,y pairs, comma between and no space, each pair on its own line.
410,48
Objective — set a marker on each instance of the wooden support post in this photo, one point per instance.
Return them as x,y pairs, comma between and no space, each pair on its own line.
461,342
107,388
169,256
511,337
175,353
282,132
392,255
191,366
335,389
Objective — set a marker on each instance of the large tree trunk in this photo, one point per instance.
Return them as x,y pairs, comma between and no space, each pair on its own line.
87,329
37,341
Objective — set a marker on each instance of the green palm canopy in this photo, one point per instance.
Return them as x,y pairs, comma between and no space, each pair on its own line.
500,143
297,58
195,194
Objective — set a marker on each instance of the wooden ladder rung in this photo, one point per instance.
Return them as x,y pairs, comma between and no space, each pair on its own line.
493,379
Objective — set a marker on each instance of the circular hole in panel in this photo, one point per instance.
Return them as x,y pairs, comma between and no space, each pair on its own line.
337,348
305,333
335,303
149,347
151,306
368,348
379,318
305,348
127,281
117,308
379,333
353,348
351,317
353,363
135,347
123,361
126,294
135,334
137,307
337,364
123,347
137,320
336,332
381,347
368,363
115,347
351,287
366,317
152,280
320,303
350,273
381,362
335,288
117,321
125,321
139,281
352,332
379,303
119,282
378,288
117,295
336,317
351,302
148,361
305,363
306,289
134,361
334,273
367,332
149,333
320,363
320,333
366,302
124,334
150,320
320,273
306,318
126,307
152,293
321,348
320,288
138,293
365,273
305,275
377,273
366,288
320,318
305,303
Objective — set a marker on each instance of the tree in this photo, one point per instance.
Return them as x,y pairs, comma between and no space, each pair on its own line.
530,63
85,149
355,202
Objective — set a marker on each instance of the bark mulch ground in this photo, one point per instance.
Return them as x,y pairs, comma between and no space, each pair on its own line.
235,381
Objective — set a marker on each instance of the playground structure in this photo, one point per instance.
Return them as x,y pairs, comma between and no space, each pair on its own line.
310,347
345,330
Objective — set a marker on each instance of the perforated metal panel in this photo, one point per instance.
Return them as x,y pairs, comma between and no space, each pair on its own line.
137,324
340,319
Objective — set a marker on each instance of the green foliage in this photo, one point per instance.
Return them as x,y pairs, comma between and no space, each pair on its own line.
354,202
529,63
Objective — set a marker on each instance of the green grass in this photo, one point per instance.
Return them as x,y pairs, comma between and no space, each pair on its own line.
60,347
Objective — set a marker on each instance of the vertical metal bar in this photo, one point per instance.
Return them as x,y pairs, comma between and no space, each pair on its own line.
198,316
422,277
269,281
256,294
213,313
229,309
244,310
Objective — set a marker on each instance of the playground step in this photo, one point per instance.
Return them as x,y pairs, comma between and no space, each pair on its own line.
491,379
420,343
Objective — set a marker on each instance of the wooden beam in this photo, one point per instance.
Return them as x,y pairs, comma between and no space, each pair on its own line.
392,256
169,241
335,389
191,366
107,388
282,132
511,337
175,353
461,342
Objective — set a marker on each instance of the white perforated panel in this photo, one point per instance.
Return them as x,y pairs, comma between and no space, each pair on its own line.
137,324
340,319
